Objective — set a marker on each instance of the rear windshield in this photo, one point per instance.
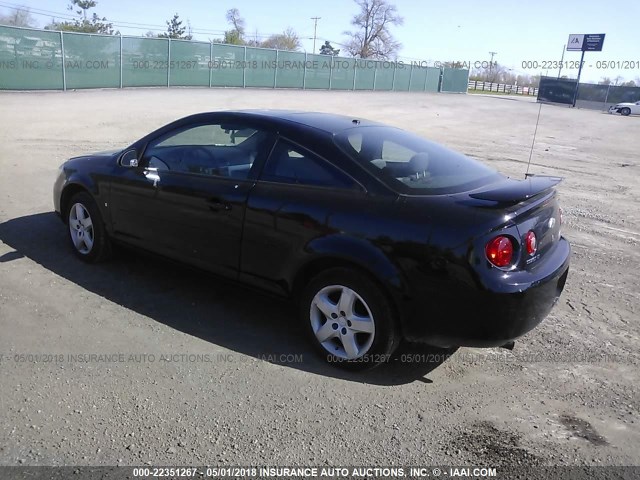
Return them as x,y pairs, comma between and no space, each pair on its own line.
410,164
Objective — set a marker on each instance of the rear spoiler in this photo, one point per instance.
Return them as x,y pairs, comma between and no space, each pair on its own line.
515,191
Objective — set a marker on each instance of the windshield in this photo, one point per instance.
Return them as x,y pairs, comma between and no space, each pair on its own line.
410,164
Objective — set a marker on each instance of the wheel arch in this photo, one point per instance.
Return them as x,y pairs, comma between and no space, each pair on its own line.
67,193
319,264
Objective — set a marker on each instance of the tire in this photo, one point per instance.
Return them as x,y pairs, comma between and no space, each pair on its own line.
626,111
87,233
330,305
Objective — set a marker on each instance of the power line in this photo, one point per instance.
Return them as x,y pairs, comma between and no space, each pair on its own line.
116,23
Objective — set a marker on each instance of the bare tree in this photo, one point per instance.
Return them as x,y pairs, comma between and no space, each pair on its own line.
235,36
287,40
372,39
19,17
495,73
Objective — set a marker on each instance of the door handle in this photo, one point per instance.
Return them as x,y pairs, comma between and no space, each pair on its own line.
215,205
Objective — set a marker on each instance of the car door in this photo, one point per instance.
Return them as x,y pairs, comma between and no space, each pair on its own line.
636,109
298,197
132,202
202,175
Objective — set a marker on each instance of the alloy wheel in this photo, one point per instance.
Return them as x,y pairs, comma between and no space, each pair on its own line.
342,322
81,228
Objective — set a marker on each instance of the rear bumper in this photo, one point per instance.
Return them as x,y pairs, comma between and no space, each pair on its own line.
474,317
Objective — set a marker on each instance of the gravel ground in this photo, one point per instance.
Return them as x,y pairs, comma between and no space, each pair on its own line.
190,370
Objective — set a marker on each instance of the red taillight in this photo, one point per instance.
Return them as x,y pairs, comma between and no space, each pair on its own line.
500,251
531,242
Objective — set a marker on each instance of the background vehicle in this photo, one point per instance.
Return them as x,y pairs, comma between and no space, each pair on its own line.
380,234
626,108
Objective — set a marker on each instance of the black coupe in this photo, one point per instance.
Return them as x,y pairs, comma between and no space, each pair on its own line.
379,234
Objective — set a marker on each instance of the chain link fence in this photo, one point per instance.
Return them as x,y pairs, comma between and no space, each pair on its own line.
590,95
32,59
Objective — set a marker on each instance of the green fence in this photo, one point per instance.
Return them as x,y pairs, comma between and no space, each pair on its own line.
33,59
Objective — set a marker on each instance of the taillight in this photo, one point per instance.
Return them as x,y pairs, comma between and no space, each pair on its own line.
531,242
499,251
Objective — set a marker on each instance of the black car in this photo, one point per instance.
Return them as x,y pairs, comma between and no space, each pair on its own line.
379,234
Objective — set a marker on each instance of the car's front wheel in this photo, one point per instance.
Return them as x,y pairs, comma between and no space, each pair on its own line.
349,319
87,233
625,111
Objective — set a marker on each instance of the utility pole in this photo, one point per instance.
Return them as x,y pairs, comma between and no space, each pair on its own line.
491,61
564,47
315,31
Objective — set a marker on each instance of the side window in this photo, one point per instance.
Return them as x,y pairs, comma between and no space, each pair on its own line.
291,164
222,150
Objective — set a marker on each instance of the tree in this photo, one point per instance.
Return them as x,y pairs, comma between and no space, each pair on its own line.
287,40
500,74
372,39
20,17
605,81
235,36
493,73
175,29
84,24
327,49
630,83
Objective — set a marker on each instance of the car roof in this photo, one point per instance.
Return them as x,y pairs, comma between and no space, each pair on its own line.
327,122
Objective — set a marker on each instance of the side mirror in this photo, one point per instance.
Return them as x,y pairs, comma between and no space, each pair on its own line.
129,159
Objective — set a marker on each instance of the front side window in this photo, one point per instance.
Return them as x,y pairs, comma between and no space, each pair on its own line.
222,150
410,164
291,164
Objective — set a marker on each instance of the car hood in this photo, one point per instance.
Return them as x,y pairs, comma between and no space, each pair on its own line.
102,154
625,104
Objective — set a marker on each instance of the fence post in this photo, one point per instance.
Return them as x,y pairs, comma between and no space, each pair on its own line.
168,62
393,79
275,74
210,62
606,99
375,75
244,69
304,72
355,72
426,79
64,70
331,73
410,77
121,60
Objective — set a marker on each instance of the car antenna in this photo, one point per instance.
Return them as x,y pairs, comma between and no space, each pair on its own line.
527,174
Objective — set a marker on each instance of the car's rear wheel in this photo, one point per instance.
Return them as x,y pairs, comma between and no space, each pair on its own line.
349,319
87,233
625,111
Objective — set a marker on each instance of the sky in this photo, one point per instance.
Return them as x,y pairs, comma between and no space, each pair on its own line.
525,35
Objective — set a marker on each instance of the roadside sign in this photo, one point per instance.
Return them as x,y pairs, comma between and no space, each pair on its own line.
575,43
591,42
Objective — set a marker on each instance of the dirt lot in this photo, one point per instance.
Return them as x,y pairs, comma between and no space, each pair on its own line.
213,374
